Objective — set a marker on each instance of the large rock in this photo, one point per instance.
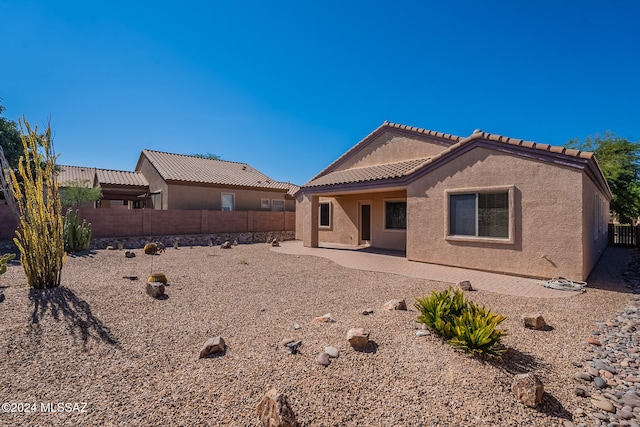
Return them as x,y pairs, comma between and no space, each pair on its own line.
155,289
274,410
528,389
534,321
212,346
395,304
358,337
464,285
226,245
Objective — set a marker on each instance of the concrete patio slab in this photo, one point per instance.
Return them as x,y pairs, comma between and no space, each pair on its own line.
363,258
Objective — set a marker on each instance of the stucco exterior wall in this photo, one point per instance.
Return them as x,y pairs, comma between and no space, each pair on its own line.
595,219
156,183
547,212
201,197
393,146
345,217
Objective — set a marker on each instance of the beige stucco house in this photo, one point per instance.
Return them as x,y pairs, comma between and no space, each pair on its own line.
178,181
484,202
120,189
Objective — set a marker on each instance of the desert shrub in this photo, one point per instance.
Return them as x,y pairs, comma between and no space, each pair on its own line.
150,248
475,331
4,259
464,324
77,237
40,236
157,277
438,310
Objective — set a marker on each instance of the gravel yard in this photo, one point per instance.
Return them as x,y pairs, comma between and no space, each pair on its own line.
100,339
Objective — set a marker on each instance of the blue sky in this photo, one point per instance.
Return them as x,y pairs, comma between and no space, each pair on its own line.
289,86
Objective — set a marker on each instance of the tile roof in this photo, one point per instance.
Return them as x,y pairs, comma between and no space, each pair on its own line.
114,177
180,167
79,174
379,130
409,167
368,173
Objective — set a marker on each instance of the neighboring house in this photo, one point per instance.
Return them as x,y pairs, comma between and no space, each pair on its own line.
484,202
120,189
179,181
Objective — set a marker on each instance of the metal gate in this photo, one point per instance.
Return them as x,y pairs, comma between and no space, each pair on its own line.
623,235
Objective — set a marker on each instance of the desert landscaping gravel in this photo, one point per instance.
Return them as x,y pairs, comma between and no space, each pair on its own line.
100,340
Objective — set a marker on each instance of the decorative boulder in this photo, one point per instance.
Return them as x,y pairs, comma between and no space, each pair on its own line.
358,337
323,359
534,321
212,346
395,304
226,245
326,318
157,277
464,285
528,389
274,410
129,254
275,243
155,289
151,248
235,243
161,247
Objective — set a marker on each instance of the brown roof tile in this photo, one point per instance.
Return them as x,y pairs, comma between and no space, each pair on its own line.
369,173
78,174
406,168
114,177
180,167
387,125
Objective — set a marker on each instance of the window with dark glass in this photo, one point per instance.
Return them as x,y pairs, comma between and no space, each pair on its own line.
395,215
479,214
323,217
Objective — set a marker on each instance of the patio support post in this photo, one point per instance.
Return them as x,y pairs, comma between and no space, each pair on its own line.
310,221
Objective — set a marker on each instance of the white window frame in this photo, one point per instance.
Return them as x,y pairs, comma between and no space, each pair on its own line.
233,202
264,204
275,202
510,190
384,216
320,225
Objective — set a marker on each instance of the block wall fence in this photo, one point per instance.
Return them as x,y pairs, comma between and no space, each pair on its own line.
149,222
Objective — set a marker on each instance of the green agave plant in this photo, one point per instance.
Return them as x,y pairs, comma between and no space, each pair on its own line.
464,324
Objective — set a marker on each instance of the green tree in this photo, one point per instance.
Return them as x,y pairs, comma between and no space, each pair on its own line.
619,160
209,156
10,139
77,193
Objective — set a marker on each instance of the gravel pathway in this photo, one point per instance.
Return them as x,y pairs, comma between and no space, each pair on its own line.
100,340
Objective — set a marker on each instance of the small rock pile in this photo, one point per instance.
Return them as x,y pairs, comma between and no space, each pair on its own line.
610,375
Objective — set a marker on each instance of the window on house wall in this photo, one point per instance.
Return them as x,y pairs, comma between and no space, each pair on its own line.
277,205
264,203
228,201
479,214
395,215
324,214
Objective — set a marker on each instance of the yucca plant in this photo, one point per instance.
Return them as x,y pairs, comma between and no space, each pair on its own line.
464,324
40,236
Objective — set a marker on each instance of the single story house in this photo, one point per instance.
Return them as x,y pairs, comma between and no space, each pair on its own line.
120,189
485,202
178,181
